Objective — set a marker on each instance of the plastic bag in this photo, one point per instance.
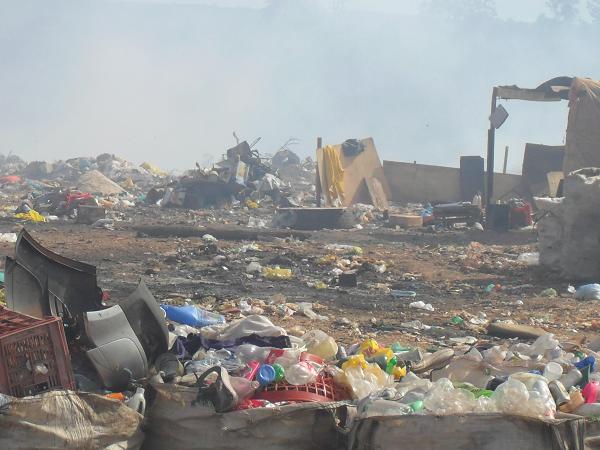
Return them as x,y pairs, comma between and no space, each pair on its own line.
588,292
530,259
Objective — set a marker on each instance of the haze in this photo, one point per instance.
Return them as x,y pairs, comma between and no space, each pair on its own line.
168,82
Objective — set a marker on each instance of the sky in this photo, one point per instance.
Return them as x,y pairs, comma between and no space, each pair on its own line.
169,81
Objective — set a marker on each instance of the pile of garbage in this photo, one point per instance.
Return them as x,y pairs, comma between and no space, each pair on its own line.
252,363
242,176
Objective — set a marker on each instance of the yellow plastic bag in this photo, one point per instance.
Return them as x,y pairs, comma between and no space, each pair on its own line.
275,273
369,347
355,361
153,169
31,215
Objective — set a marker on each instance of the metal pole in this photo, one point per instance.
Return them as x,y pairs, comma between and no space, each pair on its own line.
505,159
490,154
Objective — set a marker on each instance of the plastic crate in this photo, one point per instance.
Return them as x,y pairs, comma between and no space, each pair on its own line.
323,389
34,356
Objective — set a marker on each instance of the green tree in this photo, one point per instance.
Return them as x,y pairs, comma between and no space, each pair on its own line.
593,7
460,9
563,10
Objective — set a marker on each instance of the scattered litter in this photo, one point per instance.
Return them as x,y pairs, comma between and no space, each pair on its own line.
422,305
588,292
8,237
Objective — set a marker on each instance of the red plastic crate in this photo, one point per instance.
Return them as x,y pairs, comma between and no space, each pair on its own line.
26,343
322,389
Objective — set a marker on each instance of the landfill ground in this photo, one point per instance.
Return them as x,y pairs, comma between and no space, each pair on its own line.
450,270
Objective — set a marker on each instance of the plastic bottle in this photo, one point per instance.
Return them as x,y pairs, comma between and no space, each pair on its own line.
192,315
279,372
250,352
382,357
416,406
137,402
540,388
571,378
381,407
553,371
300,373
542,344
243,387
397,347
585,362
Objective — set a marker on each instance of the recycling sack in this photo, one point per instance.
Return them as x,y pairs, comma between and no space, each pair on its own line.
174,423
68,420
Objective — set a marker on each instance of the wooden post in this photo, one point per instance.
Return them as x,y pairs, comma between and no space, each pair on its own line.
318,188
490,153
505,159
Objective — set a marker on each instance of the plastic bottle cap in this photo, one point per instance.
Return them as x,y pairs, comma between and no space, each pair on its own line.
266,374
279,372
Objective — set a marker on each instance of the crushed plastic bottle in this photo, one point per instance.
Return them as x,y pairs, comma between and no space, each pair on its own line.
192,315
542,344
137,402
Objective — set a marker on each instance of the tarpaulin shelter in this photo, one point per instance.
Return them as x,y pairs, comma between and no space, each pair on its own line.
582,148
553,90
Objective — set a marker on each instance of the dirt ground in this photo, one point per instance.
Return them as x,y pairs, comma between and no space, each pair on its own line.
449,270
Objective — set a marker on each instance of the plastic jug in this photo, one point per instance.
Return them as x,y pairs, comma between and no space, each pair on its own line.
137,402
321,344
590,392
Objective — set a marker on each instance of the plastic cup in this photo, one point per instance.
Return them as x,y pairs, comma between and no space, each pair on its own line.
553,371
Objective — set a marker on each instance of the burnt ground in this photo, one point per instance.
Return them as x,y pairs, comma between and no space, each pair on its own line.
450,270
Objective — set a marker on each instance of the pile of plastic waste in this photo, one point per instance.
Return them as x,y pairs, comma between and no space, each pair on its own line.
253,363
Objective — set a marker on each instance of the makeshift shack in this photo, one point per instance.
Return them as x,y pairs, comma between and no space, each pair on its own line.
582,147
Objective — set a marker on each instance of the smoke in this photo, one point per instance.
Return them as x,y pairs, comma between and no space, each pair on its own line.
170,82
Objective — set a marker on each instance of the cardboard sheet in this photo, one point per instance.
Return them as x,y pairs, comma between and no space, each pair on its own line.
357,169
